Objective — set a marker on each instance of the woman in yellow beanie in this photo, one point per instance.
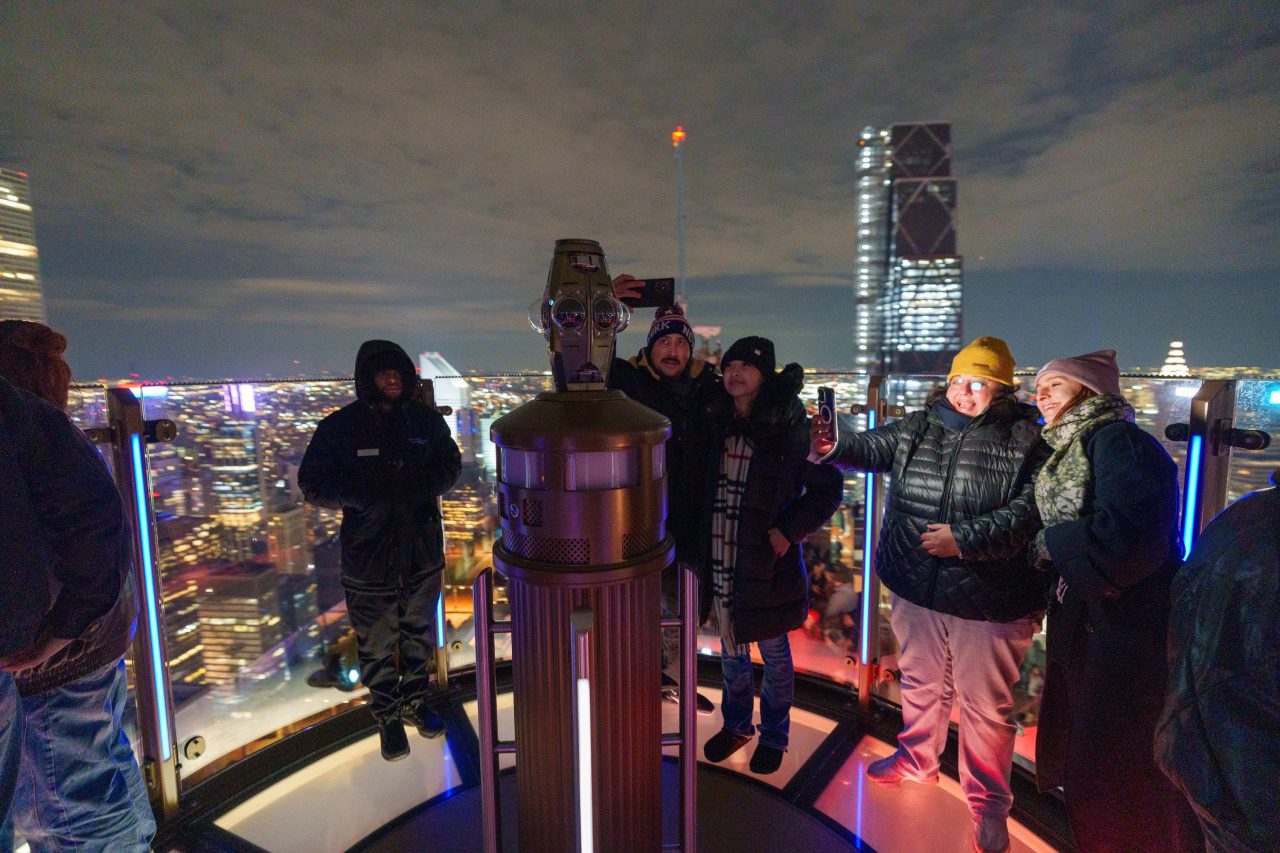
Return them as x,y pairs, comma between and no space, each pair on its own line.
952,553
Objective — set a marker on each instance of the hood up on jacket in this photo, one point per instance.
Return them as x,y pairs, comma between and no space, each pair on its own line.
376,356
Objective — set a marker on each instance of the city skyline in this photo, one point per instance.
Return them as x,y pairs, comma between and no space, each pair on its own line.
253,190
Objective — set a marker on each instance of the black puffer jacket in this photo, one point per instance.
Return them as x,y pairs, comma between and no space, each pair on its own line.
65,556
1219,734
784,490
681,401
980,481
385,471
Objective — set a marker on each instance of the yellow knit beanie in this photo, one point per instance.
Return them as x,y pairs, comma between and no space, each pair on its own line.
987,358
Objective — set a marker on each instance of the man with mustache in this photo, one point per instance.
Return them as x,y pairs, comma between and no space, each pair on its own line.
667,378
384,460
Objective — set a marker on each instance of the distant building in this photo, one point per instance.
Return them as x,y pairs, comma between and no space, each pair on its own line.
1175,363
240,622
908,274
21,296
287,540
231,473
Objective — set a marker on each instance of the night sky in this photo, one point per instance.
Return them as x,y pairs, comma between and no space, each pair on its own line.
252,189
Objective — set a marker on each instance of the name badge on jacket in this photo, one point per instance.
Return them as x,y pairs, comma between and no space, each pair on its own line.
368,451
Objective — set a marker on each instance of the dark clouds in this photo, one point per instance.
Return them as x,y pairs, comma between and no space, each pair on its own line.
223,189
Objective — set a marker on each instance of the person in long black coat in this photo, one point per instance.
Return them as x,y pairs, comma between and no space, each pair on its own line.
1108,497
764,499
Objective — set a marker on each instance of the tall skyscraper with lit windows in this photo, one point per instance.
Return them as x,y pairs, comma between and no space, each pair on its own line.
908,276
21,296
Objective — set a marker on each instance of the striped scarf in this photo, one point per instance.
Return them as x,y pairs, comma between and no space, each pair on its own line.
731,483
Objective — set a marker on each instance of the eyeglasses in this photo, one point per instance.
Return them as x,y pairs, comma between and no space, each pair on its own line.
974,385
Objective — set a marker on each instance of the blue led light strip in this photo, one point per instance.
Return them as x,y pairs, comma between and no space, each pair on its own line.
149,598
867,533
1189,503
440,618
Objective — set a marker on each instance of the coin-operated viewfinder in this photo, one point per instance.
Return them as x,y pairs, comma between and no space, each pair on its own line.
579,316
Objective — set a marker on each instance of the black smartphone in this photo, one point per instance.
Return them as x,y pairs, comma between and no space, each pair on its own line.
654,293
827,409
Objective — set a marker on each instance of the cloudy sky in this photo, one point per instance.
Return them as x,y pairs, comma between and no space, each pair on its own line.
252,189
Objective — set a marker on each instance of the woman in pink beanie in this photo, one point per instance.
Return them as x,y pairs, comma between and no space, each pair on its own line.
1108,497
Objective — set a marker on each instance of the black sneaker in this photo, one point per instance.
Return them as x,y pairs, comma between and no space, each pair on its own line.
395,743
766,759
723,744
428,723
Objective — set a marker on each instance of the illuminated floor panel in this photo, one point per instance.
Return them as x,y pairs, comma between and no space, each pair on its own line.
808,731
333,803
907,819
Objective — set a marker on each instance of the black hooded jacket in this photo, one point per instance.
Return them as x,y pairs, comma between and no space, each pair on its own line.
979,480
783,490
385,471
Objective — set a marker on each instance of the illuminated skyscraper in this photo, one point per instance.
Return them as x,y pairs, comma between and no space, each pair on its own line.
231,475
240,622
909,277
21,297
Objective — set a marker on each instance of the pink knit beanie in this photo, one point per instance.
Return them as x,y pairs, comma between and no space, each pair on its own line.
1096,371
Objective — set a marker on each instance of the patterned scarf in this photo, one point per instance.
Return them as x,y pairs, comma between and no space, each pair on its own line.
731,483
1064,480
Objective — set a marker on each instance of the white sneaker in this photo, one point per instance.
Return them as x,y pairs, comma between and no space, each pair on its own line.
893,771
991,835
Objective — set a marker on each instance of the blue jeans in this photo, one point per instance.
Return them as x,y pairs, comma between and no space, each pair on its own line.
776,695
10,756
78,785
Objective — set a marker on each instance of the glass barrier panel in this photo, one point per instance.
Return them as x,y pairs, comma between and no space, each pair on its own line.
255,617
256,623
1257,407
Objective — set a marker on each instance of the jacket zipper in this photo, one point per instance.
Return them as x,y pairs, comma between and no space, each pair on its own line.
945,503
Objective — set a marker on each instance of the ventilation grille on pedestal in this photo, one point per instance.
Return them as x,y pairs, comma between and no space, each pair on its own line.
635,544
567,552
532,509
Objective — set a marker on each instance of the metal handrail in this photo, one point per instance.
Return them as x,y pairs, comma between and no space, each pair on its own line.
487,708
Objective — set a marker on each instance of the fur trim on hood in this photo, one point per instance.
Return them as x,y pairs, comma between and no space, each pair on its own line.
691,370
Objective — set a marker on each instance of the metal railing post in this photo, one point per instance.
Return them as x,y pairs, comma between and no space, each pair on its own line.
686,738
1204,486
876,410
689,606
487,709
129,434
442,646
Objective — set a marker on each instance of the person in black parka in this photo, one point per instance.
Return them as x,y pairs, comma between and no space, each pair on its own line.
385,460
764,498
1219,735
1108,497
965,600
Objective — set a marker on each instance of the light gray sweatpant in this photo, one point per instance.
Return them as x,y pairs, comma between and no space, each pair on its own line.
943,658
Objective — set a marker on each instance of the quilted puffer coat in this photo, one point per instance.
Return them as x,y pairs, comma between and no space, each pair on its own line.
980,481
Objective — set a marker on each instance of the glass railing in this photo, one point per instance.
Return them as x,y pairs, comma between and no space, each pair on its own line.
255,621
